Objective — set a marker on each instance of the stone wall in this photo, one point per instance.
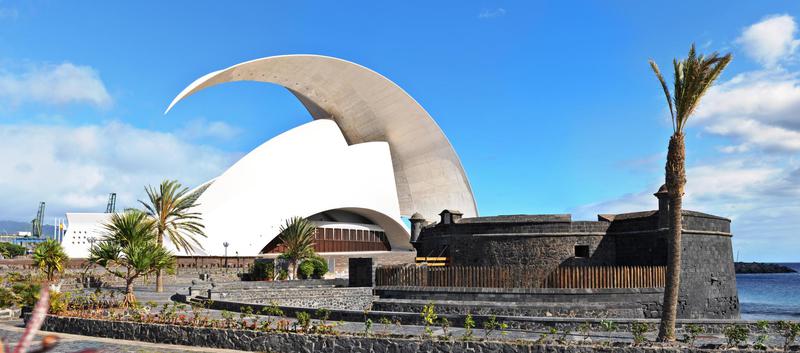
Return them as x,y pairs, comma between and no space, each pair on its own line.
315,297
290,342
708,289
609,302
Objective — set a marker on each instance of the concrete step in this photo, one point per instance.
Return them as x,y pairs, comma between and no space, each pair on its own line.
541,309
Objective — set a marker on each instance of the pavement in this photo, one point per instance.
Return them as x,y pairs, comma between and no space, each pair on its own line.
11,331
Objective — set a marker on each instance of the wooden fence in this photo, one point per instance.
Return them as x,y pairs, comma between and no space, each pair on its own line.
522,277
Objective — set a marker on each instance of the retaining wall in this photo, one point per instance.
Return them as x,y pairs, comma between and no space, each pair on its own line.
290,342
574,302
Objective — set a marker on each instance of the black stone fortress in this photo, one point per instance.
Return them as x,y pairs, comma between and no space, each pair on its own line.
708,282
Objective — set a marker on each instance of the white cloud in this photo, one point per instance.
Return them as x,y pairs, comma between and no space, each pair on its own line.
200,129
752,133
759,195
770,40
498,12
758,110
55,84
74,168
757,182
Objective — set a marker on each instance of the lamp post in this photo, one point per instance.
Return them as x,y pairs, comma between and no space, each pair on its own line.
225,244
237,261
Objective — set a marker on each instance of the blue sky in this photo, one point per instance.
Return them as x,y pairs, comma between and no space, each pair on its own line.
551,106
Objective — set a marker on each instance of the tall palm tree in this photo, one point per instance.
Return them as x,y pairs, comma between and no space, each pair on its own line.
693,77
50,258
297,237
129,250
170,206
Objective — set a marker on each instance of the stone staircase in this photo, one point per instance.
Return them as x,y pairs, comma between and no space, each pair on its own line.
510,308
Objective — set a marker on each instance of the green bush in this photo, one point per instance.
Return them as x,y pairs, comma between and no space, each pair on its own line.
283,274
736,334
320,266
306,269
262,270
11,250
8,298
28,293
639,329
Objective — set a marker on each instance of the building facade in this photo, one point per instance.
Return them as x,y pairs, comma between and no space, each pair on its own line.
708,281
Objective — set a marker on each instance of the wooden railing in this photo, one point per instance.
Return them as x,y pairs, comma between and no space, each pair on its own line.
522,277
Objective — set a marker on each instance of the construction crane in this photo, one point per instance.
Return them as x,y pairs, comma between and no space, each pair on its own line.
112,202
36,223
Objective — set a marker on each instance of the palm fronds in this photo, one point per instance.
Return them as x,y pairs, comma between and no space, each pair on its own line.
50,258
170,206
693,77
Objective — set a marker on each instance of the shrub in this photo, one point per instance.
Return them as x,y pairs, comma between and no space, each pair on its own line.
469,324
638,329
320,267
262,270
306,269
59,302
492,324
691,332
8,298
608,325
789,332
11,250
283,275
761,339
429,317
736,334
304,320
28,293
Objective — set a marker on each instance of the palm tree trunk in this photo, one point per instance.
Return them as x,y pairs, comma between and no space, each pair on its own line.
676,180
160,273
130,297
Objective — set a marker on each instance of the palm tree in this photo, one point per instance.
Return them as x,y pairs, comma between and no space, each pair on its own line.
693,77
50,258
297,237
129,250
170,206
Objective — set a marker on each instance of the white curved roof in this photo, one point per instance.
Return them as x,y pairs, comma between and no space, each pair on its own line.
301,172
367,107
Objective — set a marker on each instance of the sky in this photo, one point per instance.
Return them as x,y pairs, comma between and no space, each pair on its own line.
551,106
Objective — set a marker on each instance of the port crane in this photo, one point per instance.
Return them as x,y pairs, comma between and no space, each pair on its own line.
112,202
36,223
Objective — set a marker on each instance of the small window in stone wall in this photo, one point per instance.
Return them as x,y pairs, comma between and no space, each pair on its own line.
581,250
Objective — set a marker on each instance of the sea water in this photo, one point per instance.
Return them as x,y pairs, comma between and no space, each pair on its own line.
770,296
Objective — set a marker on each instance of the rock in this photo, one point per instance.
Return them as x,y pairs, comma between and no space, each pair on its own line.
757,267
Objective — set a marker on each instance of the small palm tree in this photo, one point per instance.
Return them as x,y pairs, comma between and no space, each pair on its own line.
129,250
170,206
693,77
297,237
50,258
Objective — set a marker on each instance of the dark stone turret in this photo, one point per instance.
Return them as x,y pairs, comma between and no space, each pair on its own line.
663,206
450,216
417,222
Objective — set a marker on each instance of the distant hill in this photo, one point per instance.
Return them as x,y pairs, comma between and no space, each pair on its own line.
756,267
14,226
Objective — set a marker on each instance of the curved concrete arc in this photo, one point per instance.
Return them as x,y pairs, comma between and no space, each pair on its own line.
367,107
301,172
